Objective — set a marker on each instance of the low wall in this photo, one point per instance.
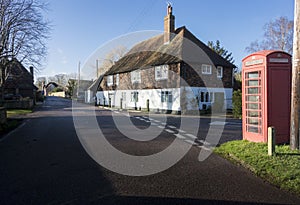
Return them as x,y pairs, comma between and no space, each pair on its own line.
3,115
58,94
18,104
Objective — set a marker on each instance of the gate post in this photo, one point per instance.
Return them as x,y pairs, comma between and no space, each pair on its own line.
271,141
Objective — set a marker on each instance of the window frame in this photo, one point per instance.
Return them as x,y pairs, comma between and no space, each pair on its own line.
206,97
134,96
166,96
135,76
117,79
110,80
206,69
163,71
221,69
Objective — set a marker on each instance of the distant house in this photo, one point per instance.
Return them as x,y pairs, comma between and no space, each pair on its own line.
92,90
18,82
81,90
155,74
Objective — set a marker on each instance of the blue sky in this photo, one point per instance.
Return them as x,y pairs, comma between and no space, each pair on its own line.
82,26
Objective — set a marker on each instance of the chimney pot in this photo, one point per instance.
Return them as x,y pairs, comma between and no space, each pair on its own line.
169,25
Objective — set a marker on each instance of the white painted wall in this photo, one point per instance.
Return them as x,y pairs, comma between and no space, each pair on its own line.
89,97
154,97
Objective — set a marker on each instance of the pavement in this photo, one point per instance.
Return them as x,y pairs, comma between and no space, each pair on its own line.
43,162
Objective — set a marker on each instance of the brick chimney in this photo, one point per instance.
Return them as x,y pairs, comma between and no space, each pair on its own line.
169,25
31,72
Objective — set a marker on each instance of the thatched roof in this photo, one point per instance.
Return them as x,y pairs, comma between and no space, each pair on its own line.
95,84
183,47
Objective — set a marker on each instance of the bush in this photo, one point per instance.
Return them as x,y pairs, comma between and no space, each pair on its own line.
237,104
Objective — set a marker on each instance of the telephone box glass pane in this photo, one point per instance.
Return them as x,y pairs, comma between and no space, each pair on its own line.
253,102
253,98
253,75
253,82
253,90
253,113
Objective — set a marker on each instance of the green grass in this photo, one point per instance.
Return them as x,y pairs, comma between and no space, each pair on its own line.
282,169
12,121
16,112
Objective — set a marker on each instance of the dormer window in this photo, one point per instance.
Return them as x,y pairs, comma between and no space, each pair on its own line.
110,80
136,76
117,79
161,72
220,72
206,69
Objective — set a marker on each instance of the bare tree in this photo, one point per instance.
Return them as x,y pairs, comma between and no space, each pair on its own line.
61,79
23,31
40,82
278,35
112,57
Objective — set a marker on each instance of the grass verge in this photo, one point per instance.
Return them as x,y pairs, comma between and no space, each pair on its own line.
282,169
14,119
17,112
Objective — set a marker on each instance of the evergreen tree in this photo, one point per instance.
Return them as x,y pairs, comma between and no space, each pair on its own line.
216,47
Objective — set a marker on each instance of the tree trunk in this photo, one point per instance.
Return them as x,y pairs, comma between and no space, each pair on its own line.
294,141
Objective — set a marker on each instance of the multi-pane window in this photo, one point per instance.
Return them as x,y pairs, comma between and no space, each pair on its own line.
206,69
124,96
134,96
220,72
117,79
166,96
206,97
161,72
136,76
110,80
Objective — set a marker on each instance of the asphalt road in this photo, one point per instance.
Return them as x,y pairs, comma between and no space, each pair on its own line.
43,162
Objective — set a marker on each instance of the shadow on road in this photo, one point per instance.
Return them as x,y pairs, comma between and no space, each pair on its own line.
132,200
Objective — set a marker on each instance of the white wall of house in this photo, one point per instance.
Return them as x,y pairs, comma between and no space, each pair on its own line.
154,96
165,99
206,96
89,97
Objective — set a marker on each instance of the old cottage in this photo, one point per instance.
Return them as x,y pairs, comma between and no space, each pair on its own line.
18,81
171,72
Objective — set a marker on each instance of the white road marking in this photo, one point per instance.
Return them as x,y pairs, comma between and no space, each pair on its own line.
173,127
191,136
205,143
179,136
205,148
182,131
218,123
170,131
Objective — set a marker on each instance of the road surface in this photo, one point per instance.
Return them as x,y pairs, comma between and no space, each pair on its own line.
43,162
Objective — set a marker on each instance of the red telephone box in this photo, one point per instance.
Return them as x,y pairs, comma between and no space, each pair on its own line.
266,95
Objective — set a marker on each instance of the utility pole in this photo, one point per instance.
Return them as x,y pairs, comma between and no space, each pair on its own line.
97,68
294,141
78,81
